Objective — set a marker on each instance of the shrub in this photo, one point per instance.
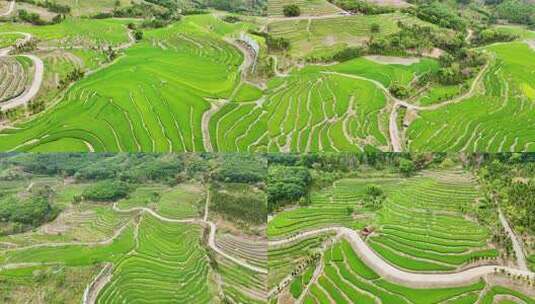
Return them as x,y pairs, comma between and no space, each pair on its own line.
106,190
138,35
239,202
291,10
241,168
277,44
406,166
399,90
348,53
287,185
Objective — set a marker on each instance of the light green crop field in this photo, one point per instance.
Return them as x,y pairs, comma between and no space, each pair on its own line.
179,202
157,264
324,34
75,32
7,39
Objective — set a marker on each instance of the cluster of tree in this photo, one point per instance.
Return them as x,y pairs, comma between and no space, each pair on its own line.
508,180
488,35
255,7
287,184
348,53
517,11
374,197
18,215
239,203
277,44
340,55
455,70
362,7
231,19
241,168
132,168
170,4
399,90
71,77
291,10
37,105
438,13
154,17
51,6
414,38
35,19
106,191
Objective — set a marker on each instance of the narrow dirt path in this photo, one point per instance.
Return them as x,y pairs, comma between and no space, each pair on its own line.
405,278
93,289
215,106
10,9
517,244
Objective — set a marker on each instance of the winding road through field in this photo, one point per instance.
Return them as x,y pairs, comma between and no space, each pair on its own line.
396,137
204,220
37,80
406,278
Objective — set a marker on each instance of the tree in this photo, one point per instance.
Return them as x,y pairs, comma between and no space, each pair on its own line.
374,197
399,90
291,10
138,35
406,166
375,28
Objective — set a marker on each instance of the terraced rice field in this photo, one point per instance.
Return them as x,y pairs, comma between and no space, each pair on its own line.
149,245
254,251
315,109
502,295
422,226
240,284
308,7
152,109
283,259
329,208
498,118
158,264
13,77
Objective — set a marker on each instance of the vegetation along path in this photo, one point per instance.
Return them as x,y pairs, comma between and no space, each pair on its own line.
517,245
